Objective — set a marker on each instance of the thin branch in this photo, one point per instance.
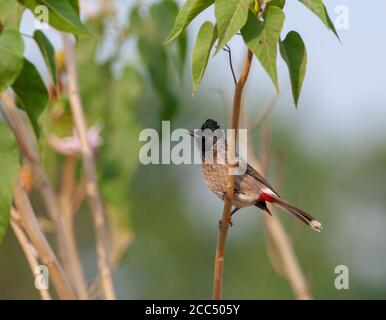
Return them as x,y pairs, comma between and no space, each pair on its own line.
289,262
5,115
66,202
17,124
226,217
78,196
26,35
39,241
92,189
228,49
27,145
28,249
121,237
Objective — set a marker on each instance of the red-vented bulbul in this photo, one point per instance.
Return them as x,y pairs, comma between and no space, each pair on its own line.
250,188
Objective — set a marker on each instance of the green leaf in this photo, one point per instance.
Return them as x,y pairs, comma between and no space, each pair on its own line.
231,16
48,53
182,47
294,53
11,56
188,12
31,93
201,51
262,37
75,5
273,3
319,9
9,164
62,15
10,14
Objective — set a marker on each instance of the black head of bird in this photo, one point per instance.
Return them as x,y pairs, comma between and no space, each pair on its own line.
250,188
210,138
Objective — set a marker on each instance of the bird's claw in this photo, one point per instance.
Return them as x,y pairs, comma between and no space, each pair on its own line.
222,225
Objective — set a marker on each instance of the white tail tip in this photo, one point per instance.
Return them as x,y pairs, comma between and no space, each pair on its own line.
316,225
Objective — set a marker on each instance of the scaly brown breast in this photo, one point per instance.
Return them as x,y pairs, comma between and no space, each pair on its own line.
215,176
247,189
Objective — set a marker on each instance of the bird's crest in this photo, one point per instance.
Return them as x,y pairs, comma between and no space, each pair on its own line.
210,124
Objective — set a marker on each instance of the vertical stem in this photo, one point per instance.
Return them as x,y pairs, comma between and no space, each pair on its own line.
28,251
47,256
92,190
27,146
226,216
289,262
66,204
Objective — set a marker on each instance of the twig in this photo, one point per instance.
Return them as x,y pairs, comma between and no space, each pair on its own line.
27,145
39,241
66,193
28,249
78,196
287,255
121,237
92,190
226,217
228,49
16,123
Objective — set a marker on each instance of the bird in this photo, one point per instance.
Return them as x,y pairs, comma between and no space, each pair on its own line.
250,188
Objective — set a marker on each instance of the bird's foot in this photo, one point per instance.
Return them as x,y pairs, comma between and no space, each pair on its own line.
223,225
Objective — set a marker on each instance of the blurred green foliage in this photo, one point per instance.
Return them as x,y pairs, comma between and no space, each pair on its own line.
174,216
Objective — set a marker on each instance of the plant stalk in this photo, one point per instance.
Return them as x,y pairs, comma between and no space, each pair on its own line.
226,216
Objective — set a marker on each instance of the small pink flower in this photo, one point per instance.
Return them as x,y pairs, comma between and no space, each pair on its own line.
71,146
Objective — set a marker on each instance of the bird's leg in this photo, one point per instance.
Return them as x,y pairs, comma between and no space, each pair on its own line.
234,211
220,224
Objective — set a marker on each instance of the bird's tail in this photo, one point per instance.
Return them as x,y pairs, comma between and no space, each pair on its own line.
300,214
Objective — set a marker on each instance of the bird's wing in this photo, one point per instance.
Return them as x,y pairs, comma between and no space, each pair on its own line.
253,173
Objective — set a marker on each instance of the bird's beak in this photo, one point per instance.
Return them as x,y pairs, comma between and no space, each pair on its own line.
191,132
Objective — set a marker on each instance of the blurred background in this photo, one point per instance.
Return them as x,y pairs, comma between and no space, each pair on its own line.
331,153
